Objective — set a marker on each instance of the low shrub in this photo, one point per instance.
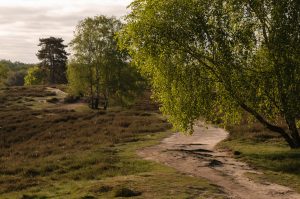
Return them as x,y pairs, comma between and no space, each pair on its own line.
53,100
125,192
71,99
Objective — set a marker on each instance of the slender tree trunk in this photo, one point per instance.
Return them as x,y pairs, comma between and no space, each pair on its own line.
105,106
106,91
92,104
97,98
96,105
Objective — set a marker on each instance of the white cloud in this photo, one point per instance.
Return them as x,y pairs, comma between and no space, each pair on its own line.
23,22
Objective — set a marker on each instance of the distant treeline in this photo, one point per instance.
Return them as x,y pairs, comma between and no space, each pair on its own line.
16,66
13,73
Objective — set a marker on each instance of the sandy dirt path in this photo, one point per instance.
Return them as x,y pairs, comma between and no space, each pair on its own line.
195,155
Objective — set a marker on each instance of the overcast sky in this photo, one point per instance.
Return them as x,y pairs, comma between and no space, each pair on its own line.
23,22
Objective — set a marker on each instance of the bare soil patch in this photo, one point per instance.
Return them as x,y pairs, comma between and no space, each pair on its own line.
196,155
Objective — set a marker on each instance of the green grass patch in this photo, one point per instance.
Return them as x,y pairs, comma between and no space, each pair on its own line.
265,151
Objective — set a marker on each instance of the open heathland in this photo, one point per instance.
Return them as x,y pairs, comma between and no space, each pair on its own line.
49,150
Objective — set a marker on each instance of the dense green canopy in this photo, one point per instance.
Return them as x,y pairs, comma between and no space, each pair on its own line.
99,69
216,59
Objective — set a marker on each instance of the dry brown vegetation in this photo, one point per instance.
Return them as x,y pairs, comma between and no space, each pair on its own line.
57,150
58,143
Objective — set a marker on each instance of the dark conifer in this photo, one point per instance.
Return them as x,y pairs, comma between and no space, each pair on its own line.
54,59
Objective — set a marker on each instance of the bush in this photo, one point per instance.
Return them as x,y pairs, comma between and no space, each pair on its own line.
71,99
35,76
104,189
125,192
53,100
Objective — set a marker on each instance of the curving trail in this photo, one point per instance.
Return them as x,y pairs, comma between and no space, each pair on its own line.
195,155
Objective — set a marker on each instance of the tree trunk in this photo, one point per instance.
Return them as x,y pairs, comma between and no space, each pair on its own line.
293,131
105,106
96,103
52,81
91,86
292,137
293,143
91,102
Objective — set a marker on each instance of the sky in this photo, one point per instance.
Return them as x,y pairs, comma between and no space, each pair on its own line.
23,22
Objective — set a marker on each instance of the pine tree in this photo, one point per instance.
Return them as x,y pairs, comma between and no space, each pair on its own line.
54,59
